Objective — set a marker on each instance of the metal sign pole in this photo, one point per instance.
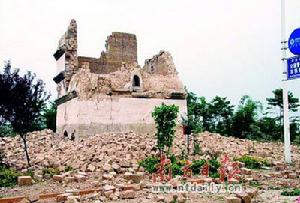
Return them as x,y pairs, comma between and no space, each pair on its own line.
287,141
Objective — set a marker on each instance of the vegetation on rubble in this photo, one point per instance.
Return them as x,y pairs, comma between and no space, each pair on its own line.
252,162
8,176
50,171
197,165
149,164
291,192
254,183
197,148
165,119
68,168
214,166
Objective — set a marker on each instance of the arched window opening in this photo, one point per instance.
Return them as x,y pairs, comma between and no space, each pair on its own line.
136,81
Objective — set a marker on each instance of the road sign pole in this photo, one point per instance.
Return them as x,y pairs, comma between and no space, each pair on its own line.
287,141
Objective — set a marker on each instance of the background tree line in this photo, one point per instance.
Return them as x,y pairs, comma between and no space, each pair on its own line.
248,120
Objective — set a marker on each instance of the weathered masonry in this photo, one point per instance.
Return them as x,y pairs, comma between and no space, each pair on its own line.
112,92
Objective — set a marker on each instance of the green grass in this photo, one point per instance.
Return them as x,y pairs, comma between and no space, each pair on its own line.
255,184
252,162
50,171
293,192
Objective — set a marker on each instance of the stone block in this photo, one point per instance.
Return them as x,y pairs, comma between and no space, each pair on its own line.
58,178
232,199
135,178
63,197
24,180
80,178
128,194
69,179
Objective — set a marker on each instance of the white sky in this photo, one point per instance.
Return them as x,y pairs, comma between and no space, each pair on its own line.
227,48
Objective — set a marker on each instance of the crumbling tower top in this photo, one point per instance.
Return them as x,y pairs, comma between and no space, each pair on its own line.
121,47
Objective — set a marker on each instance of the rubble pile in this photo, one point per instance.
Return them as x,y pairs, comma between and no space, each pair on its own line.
105,167
120,152
100,153
234,147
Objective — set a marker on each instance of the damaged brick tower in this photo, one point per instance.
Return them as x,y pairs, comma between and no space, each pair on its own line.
112,93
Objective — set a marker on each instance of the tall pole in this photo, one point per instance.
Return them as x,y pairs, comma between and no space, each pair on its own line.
287,140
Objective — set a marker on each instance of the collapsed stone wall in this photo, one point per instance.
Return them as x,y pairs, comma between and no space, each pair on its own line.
89,85
161,63
120,47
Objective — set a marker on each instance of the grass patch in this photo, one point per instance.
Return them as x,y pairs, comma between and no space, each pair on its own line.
50,171
293,192
68,168
252,162
254,183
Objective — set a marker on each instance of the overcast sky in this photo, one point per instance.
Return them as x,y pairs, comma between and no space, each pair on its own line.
227,48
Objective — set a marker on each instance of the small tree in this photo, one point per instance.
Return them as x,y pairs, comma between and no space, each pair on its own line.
165,119
49,117
21,102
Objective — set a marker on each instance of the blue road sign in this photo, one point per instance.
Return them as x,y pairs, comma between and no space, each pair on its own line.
294,42
293,67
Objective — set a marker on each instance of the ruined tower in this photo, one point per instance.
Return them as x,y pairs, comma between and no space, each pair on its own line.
112,92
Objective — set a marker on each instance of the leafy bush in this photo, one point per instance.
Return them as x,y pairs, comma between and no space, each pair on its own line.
252,162
177,168
6,130
294,192
149,164
165,120
68,168
197,149
214,166
50,171
8,177
196,166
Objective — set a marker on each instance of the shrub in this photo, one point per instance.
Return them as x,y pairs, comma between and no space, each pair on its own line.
165,120
252,162
197,149
214,166
177,168
149,164
8,177
6,130
50,171
68,168
294,192
196,165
